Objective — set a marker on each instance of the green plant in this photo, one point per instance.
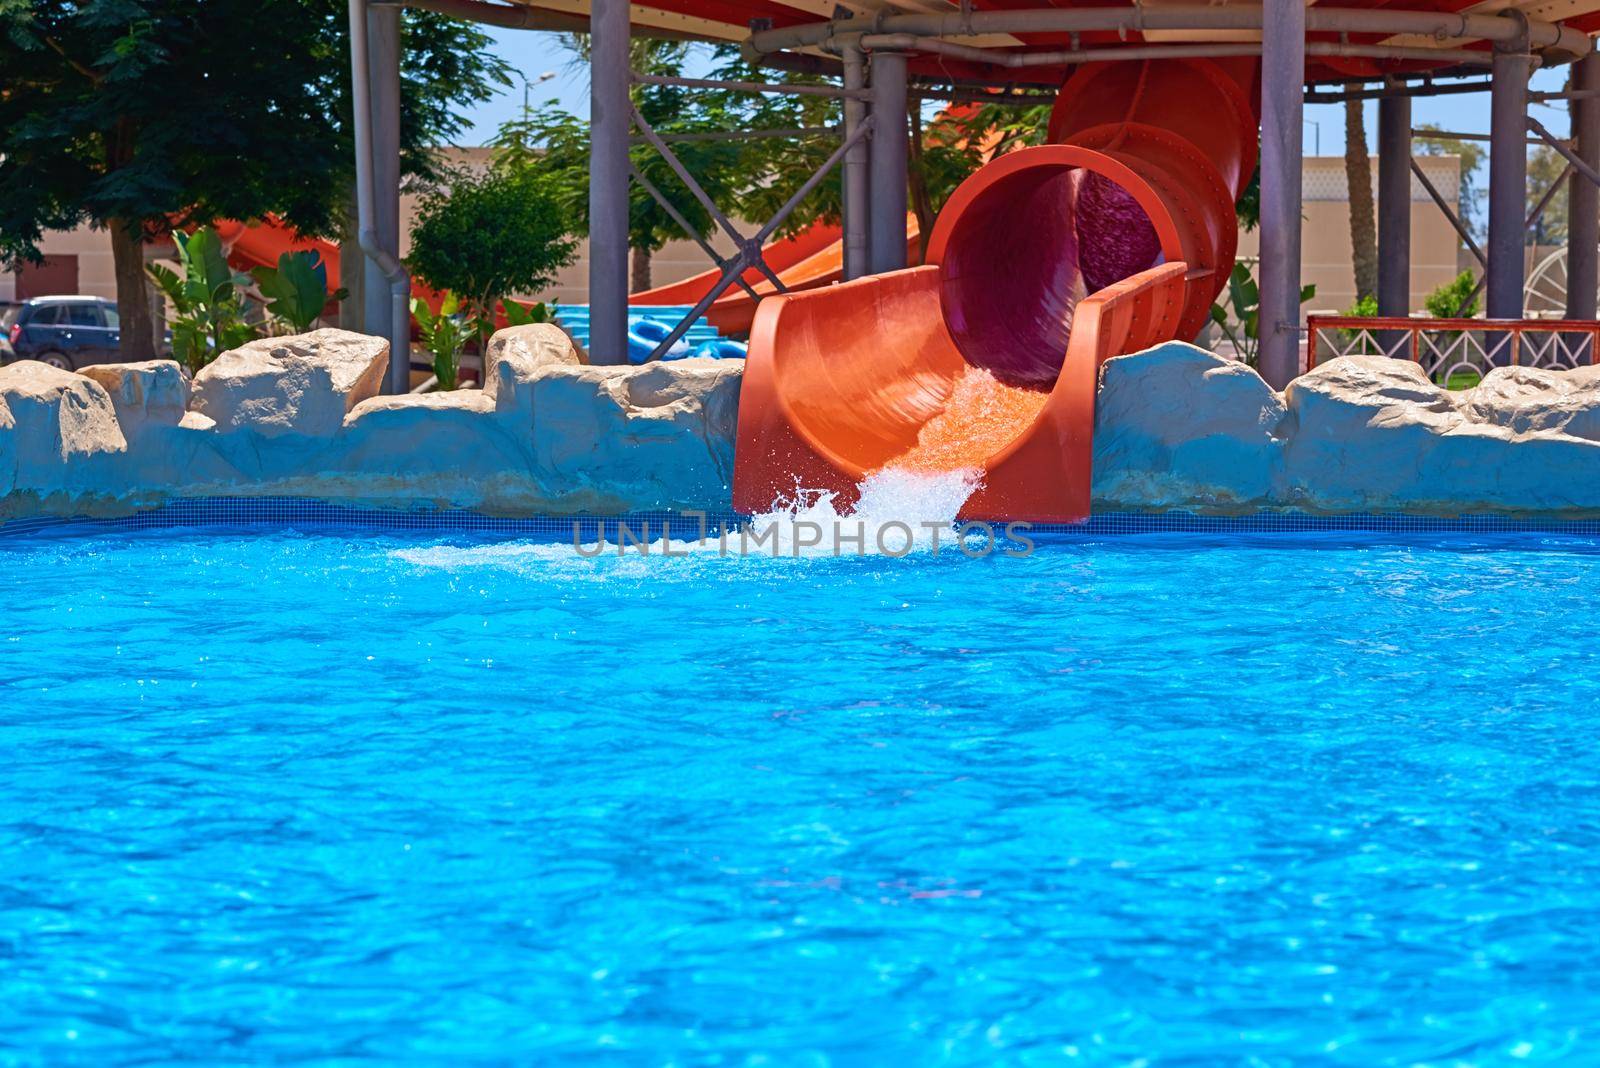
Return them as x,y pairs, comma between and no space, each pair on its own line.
537,312
486,237
1240,318
444,334
1365,307
1456,299
296,290
210,315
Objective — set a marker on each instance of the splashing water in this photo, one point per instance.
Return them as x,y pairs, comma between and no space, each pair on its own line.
982,414
911,505
898,511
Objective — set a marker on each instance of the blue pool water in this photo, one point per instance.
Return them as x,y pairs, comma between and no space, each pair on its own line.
353,797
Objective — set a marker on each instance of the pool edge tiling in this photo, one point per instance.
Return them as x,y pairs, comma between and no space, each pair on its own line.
273,512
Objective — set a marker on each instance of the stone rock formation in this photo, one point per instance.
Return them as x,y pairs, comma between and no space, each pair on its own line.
1176,428
303,385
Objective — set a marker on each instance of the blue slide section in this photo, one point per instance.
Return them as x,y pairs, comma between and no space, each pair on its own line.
648,325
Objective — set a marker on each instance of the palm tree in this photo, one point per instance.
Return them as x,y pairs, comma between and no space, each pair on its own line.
1358,177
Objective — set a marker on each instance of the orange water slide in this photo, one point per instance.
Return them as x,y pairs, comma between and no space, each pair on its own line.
1042,265
260,244
780,255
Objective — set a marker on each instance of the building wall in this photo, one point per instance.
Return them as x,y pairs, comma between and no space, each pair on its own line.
93,249
1326,259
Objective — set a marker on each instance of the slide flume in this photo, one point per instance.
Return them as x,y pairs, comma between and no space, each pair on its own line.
1044,264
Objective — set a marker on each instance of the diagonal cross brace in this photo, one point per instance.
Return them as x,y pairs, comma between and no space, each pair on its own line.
1572,158
1452,217
749,248
677,217
700,194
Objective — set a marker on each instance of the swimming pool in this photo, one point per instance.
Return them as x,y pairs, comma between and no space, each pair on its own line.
364,796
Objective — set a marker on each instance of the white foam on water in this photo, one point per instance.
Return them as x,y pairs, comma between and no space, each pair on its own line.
897,513
507,555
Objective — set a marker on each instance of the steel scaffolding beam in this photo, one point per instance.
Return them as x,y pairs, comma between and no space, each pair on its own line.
608,181
1283,75
1394,206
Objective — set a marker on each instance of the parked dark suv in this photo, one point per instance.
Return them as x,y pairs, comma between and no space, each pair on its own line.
65,332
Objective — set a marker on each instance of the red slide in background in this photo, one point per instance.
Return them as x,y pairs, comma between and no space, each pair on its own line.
1042,265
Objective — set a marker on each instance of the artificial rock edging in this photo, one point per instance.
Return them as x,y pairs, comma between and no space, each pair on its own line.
1177,428
301,416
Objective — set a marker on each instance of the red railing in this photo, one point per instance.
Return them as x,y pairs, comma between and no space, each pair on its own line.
1446,347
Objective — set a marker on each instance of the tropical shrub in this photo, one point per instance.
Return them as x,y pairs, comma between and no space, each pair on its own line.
210,313
1240,318
444,334
1365,307
537,312
296,290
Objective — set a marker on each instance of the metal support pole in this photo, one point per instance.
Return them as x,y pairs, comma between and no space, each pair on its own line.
1508,179
1583,204
1283,75
1394,206
608,181
856,173
375,105
886,245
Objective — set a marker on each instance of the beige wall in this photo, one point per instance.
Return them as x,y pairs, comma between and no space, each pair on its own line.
1325,252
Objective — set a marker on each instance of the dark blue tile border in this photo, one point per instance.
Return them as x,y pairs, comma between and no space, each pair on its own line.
290,512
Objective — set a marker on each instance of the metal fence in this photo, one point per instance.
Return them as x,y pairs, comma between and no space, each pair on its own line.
1457,352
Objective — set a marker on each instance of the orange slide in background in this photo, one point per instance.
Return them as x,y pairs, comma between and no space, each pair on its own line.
1042,265
809,260
260,244
812,258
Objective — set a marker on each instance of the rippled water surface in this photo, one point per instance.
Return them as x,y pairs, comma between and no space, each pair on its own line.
351,797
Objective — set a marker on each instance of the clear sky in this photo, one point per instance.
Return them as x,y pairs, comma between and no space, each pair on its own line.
534,53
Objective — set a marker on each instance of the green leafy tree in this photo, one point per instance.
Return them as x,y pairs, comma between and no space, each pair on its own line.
773,168
556,144
143,115
750,178
485,237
